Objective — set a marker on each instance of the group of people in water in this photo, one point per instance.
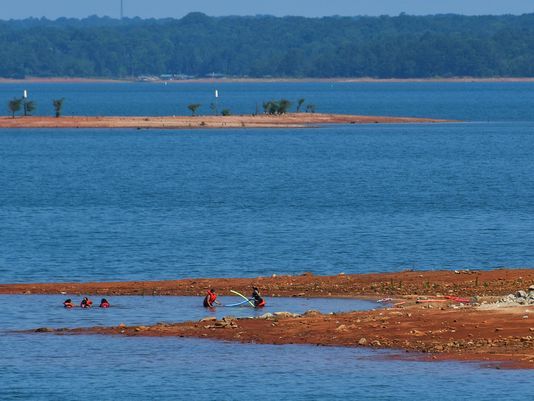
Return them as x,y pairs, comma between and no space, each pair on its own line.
210,300
86,303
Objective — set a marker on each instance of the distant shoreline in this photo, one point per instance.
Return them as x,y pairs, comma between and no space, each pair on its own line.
66,80
290,120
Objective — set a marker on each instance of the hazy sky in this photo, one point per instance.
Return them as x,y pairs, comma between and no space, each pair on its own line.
178,8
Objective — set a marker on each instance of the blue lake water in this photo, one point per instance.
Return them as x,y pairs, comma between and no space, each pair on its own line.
80,205
136,205
66,367
26,312
461,100
48,367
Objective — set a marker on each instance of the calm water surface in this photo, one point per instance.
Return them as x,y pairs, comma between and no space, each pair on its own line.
79,205
455,100
21,312
138,205
45,367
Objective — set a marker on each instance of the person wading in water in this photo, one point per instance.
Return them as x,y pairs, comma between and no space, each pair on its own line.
259,302
104,303
210,299
86,303
68,304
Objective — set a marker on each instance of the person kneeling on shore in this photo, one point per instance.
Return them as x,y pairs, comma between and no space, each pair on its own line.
104,303
210,299
68,304
259,302
86,303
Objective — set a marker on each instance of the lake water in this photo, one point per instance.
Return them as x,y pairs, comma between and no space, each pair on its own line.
461,101
48,367
79,205
66,367
26,312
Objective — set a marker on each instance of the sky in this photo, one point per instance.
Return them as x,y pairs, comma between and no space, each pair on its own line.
53,9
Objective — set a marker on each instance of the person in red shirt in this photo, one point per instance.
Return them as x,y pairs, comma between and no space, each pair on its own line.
68,304
86,303
104,303
210,299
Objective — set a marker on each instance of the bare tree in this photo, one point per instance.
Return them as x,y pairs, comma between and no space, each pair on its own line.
29,107
58,105
300,103
193,107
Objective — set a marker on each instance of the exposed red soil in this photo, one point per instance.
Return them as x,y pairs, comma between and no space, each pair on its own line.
466,334
443,328
463,283
291,120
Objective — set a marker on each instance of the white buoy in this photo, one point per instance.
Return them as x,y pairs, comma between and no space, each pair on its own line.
25,94
216,93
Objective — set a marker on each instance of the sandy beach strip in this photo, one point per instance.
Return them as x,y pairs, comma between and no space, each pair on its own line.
291,120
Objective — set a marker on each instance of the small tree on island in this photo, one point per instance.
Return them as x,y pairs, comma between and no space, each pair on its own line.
270,107
14,106
193,107
276,107
58,105
29,107
226,112
213,108
310,108
283,106
300,103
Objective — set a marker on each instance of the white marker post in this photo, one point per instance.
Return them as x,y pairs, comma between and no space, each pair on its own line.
25,102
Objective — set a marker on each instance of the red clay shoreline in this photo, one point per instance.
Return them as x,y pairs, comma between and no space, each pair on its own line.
290,120
437,334
465,283
432,321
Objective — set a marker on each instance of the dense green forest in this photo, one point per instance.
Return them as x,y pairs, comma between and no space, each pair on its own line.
265,46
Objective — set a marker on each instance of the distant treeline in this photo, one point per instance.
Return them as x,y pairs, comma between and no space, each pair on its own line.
266,46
